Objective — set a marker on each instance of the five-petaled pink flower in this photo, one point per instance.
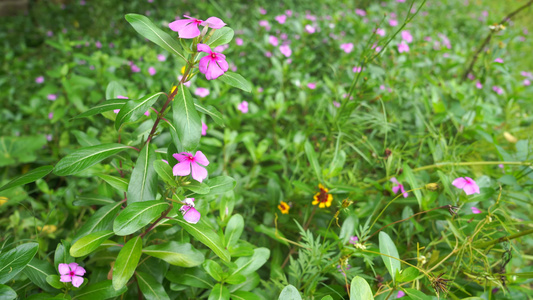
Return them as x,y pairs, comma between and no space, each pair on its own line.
190,214
285,50
187,162
39,79
71,273
188,28
214,64
243,107
467,184
397,186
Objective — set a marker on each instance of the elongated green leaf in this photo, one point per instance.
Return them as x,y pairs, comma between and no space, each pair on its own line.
360,290
89,243
387,247
126,262
6,293
198,187
84,158
137,215
412,182
177,254
206,236
290,293
134,109
143,182
248,265
92,200
85,140
236,80
417,295
219,292
212,112
220,184
31,176
62,254
328,297
15,260
213,269
99,221
221,36
100,290
146,28
150,287
165,172
55,281
37,270
313,160
119,183
195,277
186,119
103,107
243,295
234,230
408,274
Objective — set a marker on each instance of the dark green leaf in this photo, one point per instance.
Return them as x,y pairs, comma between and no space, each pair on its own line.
134,109
313,160
103,107
137,215
177,254
62,254
6,293
220,184
119,183
242,295
31,176
195,277
151,288
100,290
143,182
360,290
37,271
89,243
165,172
248,265
417,295
99,221
15,260
126,262
84,158
206,236
198,187
234,230
236,80
212,112
186,120
387,247
219,292
221,36
92,200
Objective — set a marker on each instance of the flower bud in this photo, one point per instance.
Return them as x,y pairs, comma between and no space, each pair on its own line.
432,186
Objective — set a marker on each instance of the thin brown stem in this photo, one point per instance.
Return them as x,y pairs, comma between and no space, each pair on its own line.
154,224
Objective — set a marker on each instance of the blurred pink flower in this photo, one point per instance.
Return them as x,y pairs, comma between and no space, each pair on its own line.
285,50
204,128
380,31
135,68
310,29
398,187
39,79
49,137
336,104
284,36
262,11
238,41
288,12
479,85
51,115
467,184
499,60
201,92
190,214
161,57
400,293
213,65
273,40
151,71
353,240
71,273
360,12
243,107
393,22
52,97
348,47
189,164
357,69
187,83
188,28
268,54
475,210
470,76
264,23
403,47
49,33
281,19
311,85
526,82
406,36
497,89
98,44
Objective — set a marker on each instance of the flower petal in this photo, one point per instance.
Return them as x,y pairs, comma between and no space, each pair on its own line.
63,269
204,64
73,266
190,31
213,71
405,194
65,278
180,157
77,281
459,182
182,169
395,189
190,214
214,22
199,173
203,48
200,158
80,271
223,65
469,189
394,180
179,24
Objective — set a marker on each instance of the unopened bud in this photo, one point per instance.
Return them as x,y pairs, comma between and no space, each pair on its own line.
346,203
432,186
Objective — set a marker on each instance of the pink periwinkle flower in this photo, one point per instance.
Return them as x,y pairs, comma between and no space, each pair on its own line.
470,76
288,12
353,240
310,17
380,31
285,50
281,19
393,22
400,293
214,64
52,97
262,11
497,89
188,28
273,40
161,57
135,68
190,214
71,273
398,187
284,36
310,29
201,92
39,79
151,71
499,60
98,44
243,107
49,33
221,48
475,210
526,82
51,115
467,184
204,128
189,164
403,47
49,137
311,85
406,36
479,85
238,41
526,74
360,12
348,47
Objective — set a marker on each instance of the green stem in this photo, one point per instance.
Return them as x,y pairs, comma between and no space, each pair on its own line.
503,239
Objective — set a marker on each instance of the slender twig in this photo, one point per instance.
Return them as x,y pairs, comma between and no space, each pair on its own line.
504,238
154,224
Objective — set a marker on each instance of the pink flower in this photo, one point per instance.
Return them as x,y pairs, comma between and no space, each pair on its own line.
268,54
475,210
336,104
135,68
51,115
360,12
151,71
262,11
273,40
311,85
470,76
353,240
243,107
281,19
526,82
406,36
499,60
356,69
201,92
190,214
52,97
497,89
310,29
213,64
479,85
403,47
147,113
467,184
98,44
161,57
400,293
348,47
264,23
39,79
393,22
49,33
288,12
187,162
188,28
285,50
49,137
204,128
119,97
238,41
284,36
71,273
380,31
397,186
221,48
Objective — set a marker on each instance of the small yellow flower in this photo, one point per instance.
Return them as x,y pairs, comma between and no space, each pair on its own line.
183,70
3,200
322,198
47,228
284,207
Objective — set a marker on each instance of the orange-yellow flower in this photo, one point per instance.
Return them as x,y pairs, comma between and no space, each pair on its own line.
323,198
284,207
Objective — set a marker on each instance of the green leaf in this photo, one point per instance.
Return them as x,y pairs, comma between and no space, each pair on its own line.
234,230
313,160
195,277
143,182
15,260
37,271
146,28
150,287
411,179
119,183
89,243
126,262
206,236
236,80
92,200
408,274
134,109
213,269
99,221
177,254
248,265
360,290
100,290
290,293
221,36
137,215
85,140
243,295
220,184
31,176
198,187
84,158
102,107
417,295
235,279
55,282
6,293
113,90
212,112
328,297
186,120
387,247
165,172
219,292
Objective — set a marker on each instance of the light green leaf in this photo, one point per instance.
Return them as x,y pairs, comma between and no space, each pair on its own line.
92,200
137,215
55,281
165,172
408,274
198,187
213,269
6,293
328,297
100,290
360,290
387,247
126,262
290,293
84,158
248,265
99,221
313,160
102,107
243,295
146,28
15,260
31,176
417,295
134,109
119,183
206,236
150,287
177,254
37,270
143,182
89,243
220,184
234,230
221,36
195,277
236,80
186,120
84,139
212,112
219,292
113,90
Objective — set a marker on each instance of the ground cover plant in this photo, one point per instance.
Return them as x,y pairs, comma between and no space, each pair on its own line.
267,150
